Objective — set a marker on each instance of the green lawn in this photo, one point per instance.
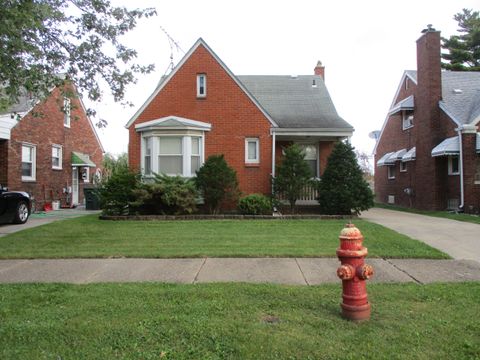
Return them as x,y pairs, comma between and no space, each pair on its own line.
227,321
90,237
475,219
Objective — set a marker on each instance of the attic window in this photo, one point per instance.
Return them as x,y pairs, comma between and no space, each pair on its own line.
201,85
314,83
66,112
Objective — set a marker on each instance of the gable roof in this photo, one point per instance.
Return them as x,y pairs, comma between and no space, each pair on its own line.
460,96
164,81
26,103
295,101
286,101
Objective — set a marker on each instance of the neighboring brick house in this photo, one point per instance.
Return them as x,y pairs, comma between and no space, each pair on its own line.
428,152
201,108
48,152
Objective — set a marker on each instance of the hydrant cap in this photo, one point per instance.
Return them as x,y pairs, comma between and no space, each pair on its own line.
350,231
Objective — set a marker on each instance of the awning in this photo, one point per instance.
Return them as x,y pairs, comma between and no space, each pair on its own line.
396,156
409,155
80,159
449,146
405,104
385,159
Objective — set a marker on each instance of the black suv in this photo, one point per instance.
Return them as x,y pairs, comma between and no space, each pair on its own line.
15,206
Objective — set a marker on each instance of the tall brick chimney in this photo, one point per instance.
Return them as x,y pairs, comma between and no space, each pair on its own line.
320,70
427,124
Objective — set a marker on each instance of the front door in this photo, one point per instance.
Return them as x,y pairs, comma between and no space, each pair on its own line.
74,185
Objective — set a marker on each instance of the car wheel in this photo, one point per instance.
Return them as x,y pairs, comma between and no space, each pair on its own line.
21,214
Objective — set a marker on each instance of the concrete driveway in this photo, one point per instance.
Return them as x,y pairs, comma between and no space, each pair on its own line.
460,240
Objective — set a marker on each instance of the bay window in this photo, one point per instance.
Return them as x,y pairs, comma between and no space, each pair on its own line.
172,155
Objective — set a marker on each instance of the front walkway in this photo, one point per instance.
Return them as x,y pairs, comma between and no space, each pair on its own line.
460,240
291,271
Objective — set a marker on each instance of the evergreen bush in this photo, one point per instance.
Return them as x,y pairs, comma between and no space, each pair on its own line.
217,183
342,188
293,175
118,191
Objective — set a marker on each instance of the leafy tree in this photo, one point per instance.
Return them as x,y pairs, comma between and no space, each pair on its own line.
342,188
112,164
40,39
293,174
464,50
217,182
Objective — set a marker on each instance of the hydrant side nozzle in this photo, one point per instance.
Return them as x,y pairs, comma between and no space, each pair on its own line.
346,272
365,272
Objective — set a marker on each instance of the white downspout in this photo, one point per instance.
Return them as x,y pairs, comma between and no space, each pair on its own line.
460,165
273,154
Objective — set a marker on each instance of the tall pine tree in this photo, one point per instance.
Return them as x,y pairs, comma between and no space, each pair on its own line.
342,189
464,50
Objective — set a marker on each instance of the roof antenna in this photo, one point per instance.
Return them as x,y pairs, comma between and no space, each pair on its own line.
173,45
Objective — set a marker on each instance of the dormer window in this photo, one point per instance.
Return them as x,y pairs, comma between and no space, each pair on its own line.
407,119
201,85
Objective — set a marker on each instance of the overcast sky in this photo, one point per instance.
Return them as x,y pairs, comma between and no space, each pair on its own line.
364,45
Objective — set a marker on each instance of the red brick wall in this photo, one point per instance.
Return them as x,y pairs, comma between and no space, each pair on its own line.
427,176
42,131
232,114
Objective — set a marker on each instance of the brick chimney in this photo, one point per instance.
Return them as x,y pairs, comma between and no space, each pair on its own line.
429,70
427,124
320,70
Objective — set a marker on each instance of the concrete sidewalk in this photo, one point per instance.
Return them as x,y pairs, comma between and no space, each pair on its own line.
460,240
291,271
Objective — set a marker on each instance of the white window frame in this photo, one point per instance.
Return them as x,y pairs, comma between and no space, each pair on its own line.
144,154
86,180
186,153
391,172
33,162
407,119
200,152
256,160
403,166
66,110
60,157
199,79
450,165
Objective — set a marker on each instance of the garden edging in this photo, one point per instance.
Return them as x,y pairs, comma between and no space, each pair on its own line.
224,217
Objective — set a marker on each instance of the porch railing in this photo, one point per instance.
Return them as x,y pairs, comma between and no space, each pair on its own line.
308,195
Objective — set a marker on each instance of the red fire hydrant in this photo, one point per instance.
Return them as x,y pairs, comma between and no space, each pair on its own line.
353,272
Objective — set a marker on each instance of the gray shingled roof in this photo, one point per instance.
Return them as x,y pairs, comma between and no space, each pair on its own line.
23,104
293,102
460,93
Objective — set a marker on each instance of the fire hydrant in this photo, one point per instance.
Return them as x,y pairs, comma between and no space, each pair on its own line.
353,271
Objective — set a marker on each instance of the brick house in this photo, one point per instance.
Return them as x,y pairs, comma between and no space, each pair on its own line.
428,152
50,153
201,108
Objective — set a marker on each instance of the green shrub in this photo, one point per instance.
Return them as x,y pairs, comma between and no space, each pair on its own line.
168,195
117,192
255,204
293,175
342,189
217,183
